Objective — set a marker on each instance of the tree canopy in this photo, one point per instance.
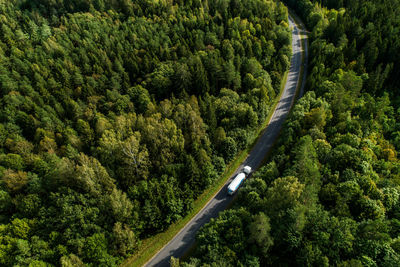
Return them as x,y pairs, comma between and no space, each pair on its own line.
328,196
116,115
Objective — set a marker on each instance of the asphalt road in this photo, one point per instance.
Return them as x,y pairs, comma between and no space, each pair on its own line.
186,237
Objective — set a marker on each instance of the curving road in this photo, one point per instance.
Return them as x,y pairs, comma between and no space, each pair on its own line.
186,237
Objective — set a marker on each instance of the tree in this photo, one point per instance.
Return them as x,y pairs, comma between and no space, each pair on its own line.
140,97
12,161
219,136
5,201
182,78
125,240
162,138
283,203
161,80
95,249
91,176
200,84
228,148
29,205
121,206
109,124
71,261
284,193
15,181
305,165
259,230
136,157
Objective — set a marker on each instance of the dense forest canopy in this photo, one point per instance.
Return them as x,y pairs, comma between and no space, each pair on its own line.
116,115
330,193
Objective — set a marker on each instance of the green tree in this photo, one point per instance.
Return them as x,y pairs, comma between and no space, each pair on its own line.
125,240
136,157
259,230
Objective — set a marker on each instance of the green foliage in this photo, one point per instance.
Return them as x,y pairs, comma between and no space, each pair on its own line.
12,161
260,233
230,233
96,250
125,239
5,202
329,196
116,116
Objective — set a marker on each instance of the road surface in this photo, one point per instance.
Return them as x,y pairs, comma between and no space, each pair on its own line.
186,237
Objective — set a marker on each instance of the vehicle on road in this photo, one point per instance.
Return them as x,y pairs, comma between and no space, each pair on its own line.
235,184
247,170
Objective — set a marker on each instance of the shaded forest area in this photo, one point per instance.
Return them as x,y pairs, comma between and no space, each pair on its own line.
116,115
330,193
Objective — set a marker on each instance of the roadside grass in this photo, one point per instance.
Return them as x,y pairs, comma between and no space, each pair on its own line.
152,245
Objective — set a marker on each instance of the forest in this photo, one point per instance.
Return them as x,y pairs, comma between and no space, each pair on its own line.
116,115
329,194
